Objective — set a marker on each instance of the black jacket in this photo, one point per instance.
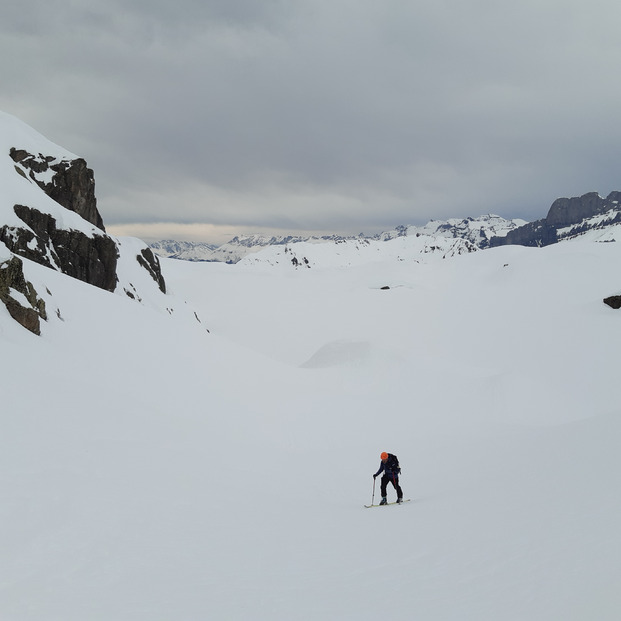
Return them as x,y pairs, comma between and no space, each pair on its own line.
391,467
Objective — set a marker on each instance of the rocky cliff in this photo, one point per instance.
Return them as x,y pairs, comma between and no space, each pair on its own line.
49,215
91,259
567,217
19,296
70,183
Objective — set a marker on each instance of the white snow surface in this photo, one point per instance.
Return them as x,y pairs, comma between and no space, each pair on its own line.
352,252
154,471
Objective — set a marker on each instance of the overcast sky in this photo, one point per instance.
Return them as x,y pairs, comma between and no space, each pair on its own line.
207,118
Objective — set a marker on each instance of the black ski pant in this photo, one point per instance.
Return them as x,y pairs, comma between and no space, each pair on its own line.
394,479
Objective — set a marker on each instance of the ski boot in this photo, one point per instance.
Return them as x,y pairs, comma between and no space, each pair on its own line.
384,501
399,501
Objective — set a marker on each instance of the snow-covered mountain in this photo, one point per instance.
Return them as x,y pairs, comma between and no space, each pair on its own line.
243,245
188,251
361,251
476,231
234,250
49,217
569,218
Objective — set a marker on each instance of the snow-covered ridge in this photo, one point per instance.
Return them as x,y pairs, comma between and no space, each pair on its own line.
601,227
602,220
476,231
188,251
14,131
235,249
16,187
566,219
355,252
48,216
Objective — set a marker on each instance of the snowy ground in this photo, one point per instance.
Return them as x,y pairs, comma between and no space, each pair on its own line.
152,471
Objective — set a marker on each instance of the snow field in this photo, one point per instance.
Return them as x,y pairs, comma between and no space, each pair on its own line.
154,471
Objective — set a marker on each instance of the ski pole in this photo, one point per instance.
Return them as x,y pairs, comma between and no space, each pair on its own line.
373,497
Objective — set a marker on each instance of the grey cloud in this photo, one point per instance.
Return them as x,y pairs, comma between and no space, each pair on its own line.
397,111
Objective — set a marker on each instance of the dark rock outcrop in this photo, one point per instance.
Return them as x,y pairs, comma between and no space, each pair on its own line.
538,233
564,212
72,184
12,279
151,263
90,259
614,301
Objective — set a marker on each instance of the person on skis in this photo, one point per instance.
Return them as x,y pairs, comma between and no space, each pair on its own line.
390,467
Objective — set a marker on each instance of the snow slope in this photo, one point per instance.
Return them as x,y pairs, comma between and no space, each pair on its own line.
154,471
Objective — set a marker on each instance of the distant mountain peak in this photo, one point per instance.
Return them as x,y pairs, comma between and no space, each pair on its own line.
568,218
476,231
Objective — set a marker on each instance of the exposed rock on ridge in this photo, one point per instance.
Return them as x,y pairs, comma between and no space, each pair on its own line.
571,214
90,259
151,263
13,282
72,183
614,301
36,229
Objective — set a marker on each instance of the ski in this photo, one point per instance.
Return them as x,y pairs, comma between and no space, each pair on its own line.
389,503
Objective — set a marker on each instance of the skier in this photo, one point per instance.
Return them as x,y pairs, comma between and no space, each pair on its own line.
390,467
